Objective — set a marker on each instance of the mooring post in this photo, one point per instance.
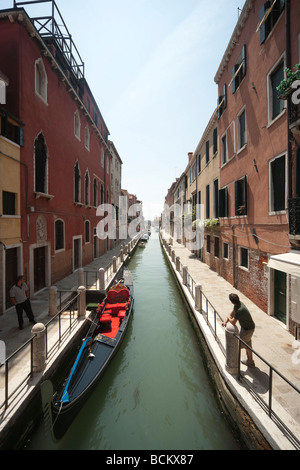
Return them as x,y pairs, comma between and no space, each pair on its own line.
114,264
52,301
82,301
185,275
232,349
81,277
198,297
38,332
102,279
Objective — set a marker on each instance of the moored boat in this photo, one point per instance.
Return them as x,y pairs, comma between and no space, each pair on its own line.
98,348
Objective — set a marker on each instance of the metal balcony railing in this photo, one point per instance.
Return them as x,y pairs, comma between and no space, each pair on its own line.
294,216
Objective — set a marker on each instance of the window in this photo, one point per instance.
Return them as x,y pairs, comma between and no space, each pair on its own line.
95,193
77,125
242,130
239,70
87,138
224,149
216,198
102,157
207,151
217,242
199,163
87,231
40,165
215,141
240,187
243,257
10,129
40,79
8,203
222,102
95,117
59,235
277,184
268,16
77,178
223,202
87,188
207,202
225,251
208,243
276,105
193,172
102,194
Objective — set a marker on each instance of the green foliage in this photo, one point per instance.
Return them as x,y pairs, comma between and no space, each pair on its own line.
291,75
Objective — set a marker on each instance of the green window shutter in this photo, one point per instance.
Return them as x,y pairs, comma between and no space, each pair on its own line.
264,29
223,202
244,59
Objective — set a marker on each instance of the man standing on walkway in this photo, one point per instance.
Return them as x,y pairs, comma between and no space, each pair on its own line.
19,295
241,313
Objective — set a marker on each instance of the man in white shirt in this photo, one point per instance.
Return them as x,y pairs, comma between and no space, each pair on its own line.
19,295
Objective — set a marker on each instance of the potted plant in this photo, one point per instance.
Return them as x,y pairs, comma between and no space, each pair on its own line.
285,86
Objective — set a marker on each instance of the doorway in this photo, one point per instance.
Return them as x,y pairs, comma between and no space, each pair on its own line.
39,268
11,272
280,295
76,253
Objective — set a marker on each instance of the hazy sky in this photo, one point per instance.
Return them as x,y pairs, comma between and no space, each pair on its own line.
150,65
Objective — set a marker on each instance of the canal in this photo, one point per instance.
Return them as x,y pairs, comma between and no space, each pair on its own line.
156,394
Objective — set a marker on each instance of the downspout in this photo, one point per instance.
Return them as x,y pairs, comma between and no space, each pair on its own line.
288,64
233,258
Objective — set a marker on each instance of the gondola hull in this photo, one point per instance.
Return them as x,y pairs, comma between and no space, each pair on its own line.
93,359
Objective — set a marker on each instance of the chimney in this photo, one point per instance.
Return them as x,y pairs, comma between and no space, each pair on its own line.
190,154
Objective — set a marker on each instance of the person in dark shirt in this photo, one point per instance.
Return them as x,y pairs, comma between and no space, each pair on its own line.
241,313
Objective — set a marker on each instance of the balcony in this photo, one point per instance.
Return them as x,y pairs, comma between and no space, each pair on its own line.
294,222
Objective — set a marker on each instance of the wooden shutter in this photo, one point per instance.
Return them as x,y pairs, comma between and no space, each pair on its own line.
223,202
244,59
241,196
265,28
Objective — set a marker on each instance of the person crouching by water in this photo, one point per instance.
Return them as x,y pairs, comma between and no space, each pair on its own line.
241,313
19,296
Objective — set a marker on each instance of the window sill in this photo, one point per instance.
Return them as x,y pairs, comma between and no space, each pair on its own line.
242,148
44,195
79,204
272,121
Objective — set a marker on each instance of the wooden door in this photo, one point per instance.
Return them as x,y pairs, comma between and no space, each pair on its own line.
39,268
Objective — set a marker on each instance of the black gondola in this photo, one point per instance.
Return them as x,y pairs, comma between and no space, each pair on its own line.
98,348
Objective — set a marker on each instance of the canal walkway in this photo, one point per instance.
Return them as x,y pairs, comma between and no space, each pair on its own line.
60,335
271,341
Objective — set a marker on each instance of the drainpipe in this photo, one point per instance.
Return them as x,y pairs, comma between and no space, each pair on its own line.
233,258
288,64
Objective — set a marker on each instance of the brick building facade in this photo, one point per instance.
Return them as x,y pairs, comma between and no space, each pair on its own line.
65,155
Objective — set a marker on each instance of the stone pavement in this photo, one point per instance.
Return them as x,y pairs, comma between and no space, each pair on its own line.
271,340
9,331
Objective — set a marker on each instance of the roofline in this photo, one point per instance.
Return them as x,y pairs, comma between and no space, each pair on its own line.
234,39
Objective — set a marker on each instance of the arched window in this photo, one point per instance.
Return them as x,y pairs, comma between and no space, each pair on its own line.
87,138
77,192
59,235
41,81
40,165
77,124
95,193
87,188
87,231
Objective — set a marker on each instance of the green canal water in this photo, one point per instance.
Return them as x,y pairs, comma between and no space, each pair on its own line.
156,394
